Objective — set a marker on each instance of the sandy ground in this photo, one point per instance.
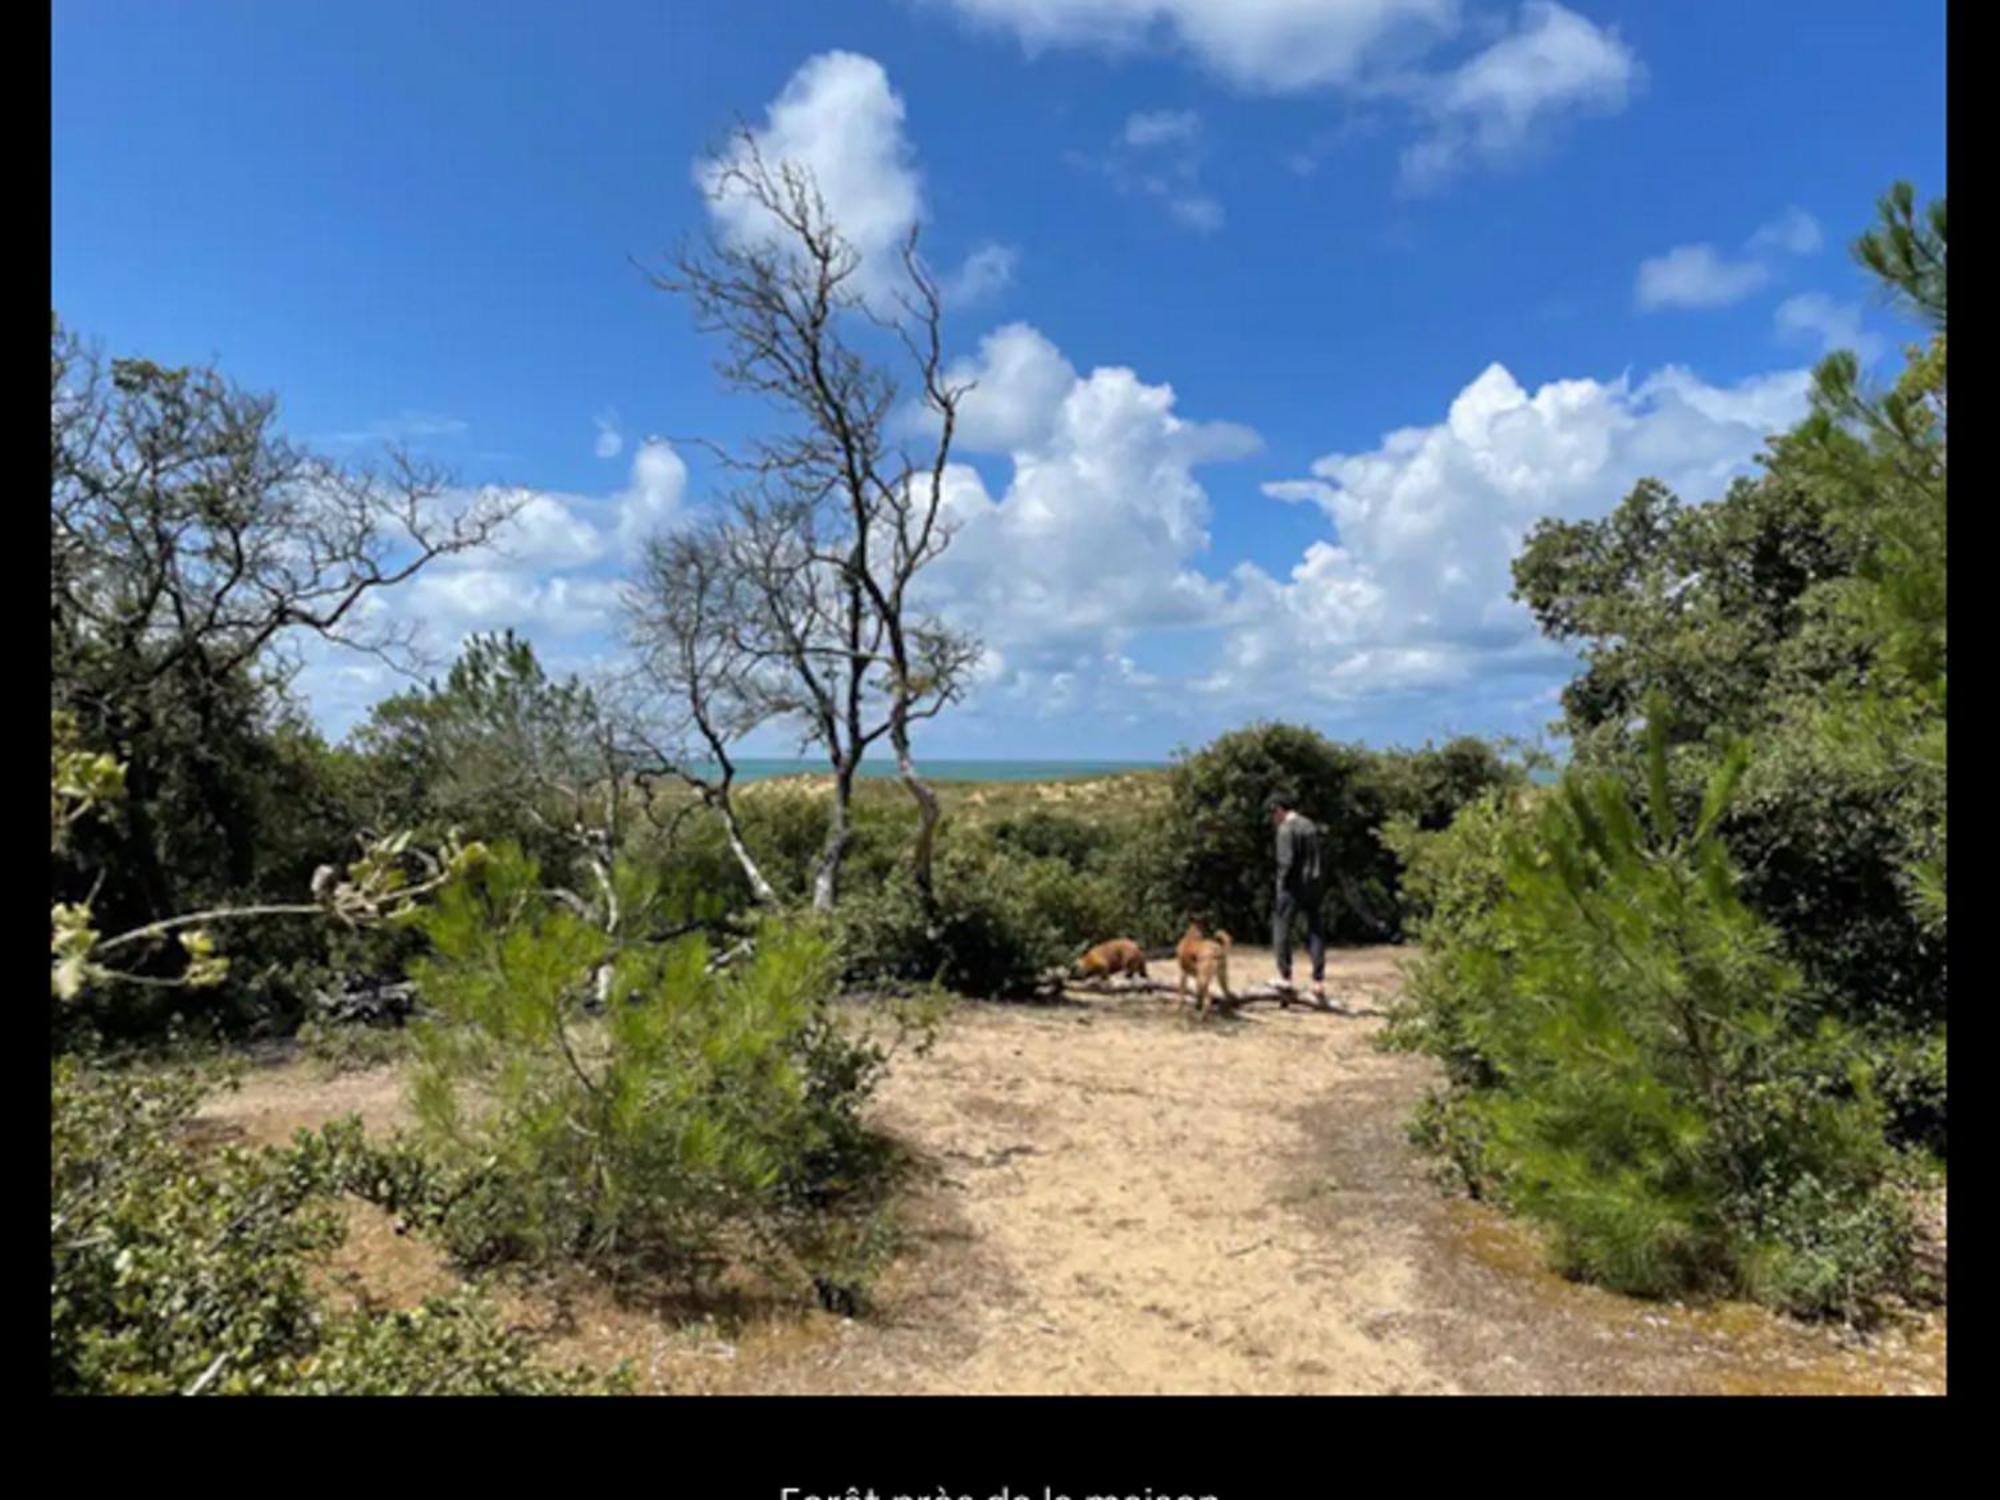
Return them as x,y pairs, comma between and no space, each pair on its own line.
1117,1198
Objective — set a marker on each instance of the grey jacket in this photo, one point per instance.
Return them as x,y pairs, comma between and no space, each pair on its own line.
1299,864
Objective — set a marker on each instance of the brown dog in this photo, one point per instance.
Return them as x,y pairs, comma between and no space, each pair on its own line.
1119,956
1204,960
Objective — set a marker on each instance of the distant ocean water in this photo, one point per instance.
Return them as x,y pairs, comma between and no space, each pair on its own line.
761,769
950,770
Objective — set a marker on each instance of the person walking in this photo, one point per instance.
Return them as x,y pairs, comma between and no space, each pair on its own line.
1301,891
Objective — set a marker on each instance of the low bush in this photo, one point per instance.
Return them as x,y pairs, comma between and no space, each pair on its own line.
1004,917
1041,833
174,1273
699,1116
981,939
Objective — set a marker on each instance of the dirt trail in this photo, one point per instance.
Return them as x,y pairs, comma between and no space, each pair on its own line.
1130,1184
1119,1199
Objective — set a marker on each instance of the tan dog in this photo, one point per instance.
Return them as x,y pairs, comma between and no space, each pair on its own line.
1206,961
1119,956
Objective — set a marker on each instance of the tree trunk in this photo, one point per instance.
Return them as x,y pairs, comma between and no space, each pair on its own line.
826,873
139,838
600,867
760,888
927,822
225,805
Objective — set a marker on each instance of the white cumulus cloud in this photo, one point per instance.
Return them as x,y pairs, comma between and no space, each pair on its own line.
545,532
1086,570
1698,276
984,273
1160,155
1413,590
458,602
1554,63
1094,535
839,118
653,499
1197,213
1155,127
1794,232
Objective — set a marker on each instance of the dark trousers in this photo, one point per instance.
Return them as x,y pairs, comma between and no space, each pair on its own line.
1308,903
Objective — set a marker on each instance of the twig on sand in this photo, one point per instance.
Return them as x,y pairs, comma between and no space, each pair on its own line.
1246,1249
1059,980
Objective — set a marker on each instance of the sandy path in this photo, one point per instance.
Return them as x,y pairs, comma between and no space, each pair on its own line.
1123,1176
1128,1201
1118,1199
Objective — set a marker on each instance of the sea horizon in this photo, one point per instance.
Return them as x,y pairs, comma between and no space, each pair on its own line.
763,768
1010,768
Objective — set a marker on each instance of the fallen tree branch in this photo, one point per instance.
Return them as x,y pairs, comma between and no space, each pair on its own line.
724,960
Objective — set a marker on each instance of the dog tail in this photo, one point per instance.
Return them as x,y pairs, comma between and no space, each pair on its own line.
1222,938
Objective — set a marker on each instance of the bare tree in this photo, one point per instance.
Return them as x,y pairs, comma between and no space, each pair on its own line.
182,525
835,517
686,619
190,545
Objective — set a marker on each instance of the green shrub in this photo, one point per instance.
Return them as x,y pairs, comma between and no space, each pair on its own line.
700,1116
1454,881
698,856
1223,857
1003,919
1220,856
1031,890
1628,1060
448,1346
1040,833
1805,607
784,827
1142,868
170,1273
1072,908
980,940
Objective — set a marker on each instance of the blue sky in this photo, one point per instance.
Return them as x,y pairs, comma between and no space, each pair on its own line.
1289,316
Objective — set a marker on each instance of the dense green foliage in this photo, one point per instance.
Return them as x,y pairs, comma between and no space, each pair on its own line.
1022,892
1804,608
1712,1059
1632,1064
497,745
1000,921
